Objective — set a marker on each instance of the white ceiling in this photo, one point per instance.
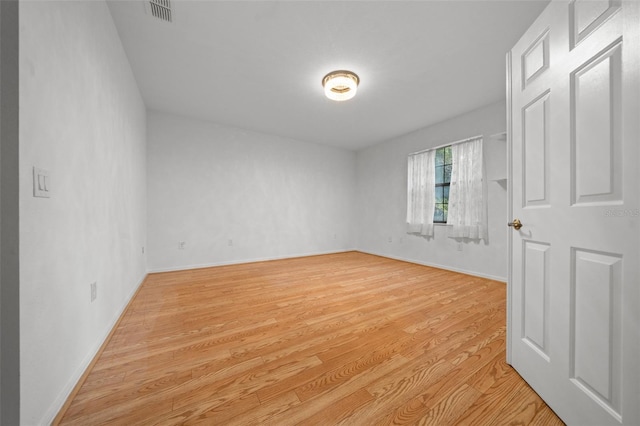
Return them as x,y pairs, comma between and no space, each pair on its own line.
259,65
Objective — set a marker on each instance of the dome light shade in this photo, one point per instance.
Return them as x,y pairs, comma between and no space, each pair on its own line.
340,85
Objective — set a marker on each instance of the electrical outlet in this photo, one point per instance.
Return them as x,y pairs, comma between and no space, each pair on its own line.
230,242
94,291
182,245
390,239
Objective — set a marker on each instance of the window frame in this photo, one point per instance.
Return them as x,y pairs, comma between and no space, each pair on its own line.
444,184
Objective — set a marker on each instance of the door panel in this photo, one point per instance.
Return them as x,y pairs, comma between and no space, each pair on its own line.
596,150
535,149
574,131
586,16
535,60
536,296
595,325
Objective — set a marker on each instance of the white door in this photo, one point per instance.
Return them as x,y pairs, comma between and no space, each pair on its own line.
574,299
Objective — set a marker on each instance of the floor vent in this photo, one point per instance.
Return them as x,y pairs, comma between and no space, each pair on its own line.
160,9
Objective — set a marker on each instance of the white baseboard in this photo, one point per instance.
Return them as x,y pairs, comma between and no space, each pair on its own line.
55,408
266,259
435,265
242,261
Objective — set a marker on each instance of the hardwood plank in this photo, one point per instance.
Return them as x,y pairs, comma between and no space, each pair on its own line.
342,366
449,409
407,402
220,413
266,411
525,407
389,395
207,388
348,338
330,397
340,410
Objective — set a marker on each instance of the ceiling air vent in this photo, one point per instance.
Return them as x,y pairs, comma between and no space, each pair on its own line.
160,9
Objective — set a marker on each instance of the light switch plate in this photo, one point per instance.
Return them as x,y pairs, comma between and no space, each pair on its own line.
41,183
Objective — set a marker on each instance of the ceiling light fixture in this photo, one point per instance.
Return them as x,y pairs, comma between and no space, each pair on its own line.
340,85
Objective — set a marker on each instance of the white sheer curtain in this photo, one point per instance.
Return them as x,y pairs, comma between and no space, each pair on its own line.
421,199
467,194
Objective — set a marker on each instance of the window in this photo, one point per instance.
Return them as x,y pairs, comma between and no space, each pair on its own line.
443,182
438,192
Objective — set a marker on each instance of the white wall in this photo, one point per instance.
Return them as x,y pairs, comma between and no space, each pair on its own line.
273,197
83,119
382,199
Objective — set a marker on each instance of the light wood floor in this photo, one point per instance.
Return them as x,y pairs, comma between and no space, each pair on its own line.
338,339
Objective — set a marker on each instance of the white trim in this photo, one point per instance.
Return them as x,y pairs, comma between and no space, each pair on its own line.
57,405
509,118
267,259
243,261
435,265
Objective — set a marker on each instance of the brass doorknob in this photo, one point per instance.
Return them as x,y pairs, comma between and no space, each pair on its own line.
516,224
